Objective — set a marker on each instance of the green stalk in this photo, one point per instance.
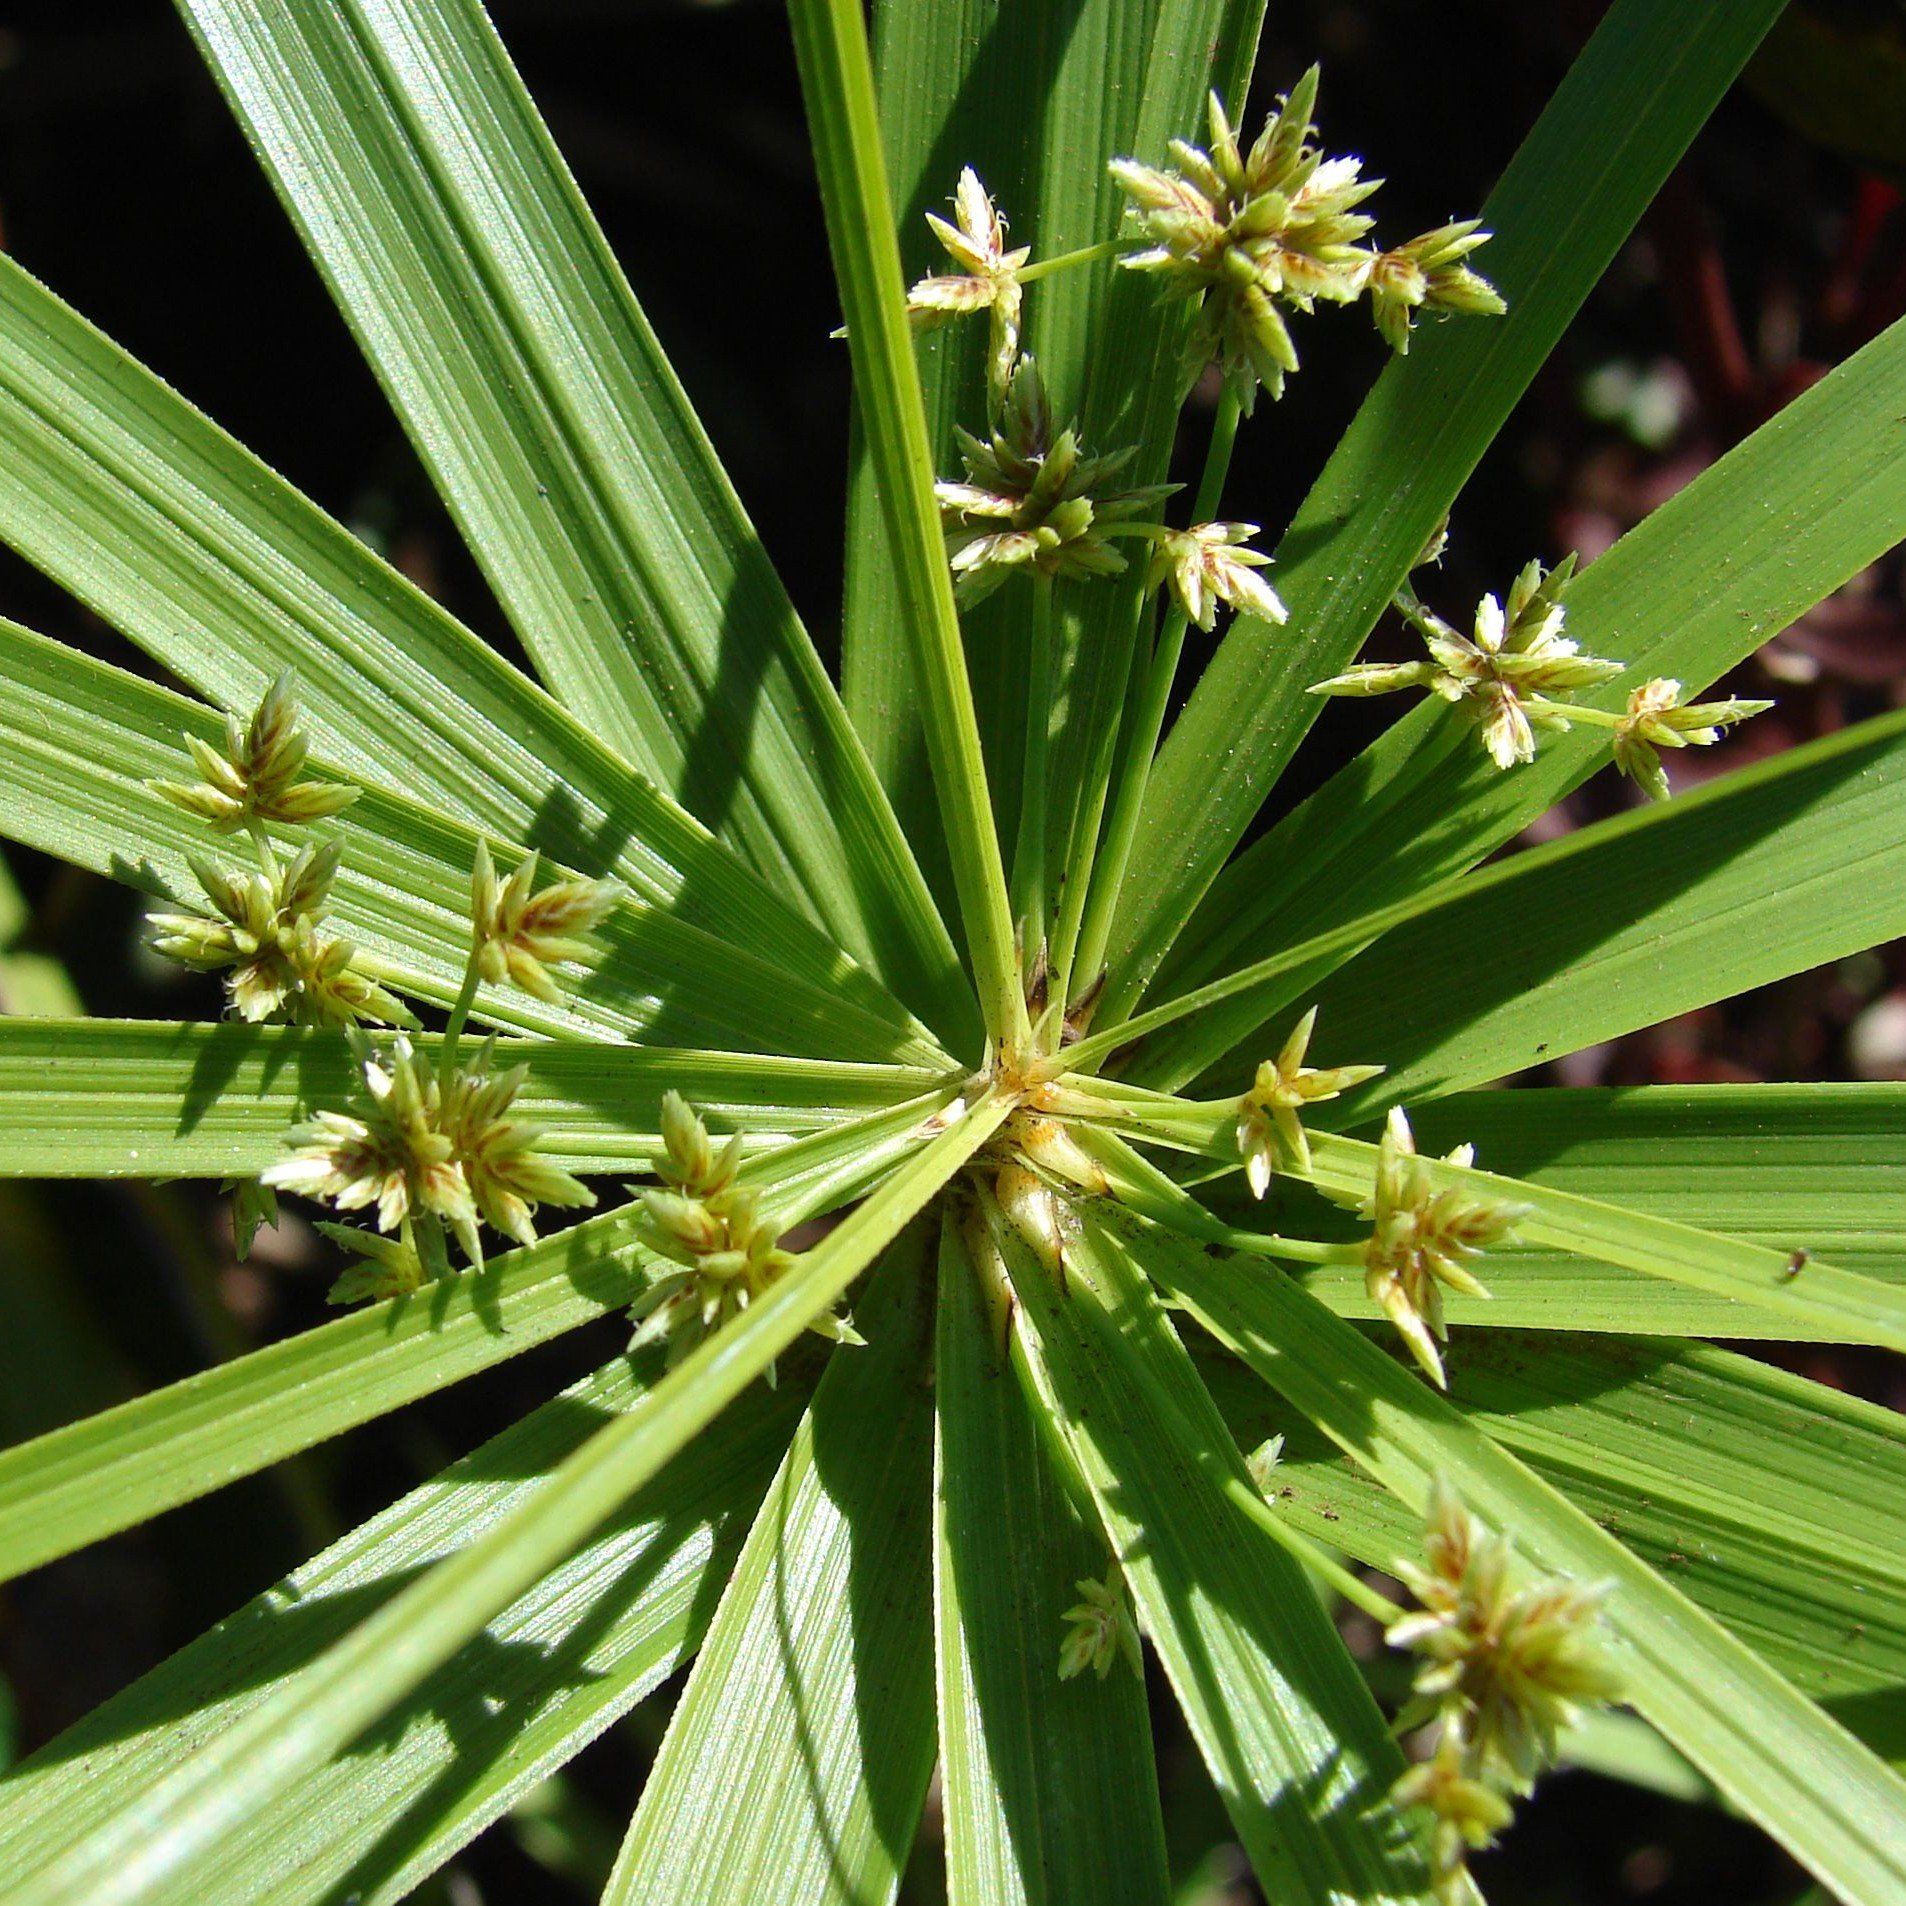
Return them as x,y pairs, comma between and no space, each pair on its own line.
1029,851
1085,255
261,843
830,43
1104,873
1352,1587
459,1018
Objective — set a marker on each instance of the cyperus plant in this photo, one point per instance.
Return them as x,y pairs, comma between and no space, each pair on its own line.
980,1002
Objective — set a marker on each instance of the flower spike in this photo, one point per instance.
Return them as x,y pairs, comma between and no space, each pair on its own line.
1034,502
1100,1629
1270,1129
1423,1238
1428,274
1656,719
987,281
395,1156
1510,679
711,1227
1244,237
423,1148
1502,1671
521,933
265,932
496,1148
1210,563
255,780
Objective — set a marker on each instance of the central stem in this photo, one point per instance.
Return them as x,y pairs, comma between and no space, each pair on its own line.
459,1017
1029,851
1148,720
1085,255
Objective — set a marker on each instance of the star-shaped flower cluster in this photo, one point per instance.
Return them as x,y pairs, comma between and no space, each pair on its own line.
451,1152
1510,678
254,782
1423,1238
1034,502
1507,1661
266,933
1210,563
988,279
1246,236
1100,1629
522,931
1271,1134
1656,719
711,1226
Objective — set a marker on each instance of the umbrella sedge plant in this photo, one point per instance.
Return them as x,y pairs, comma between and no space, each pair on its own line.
1067,1235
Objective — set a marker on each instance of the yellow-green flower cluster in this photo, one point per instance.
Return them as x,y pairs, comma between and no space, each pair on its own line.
1428,274
1100,1629
711,1226
1210,563
1033,502
1656,719
1511,678
254,782
988,278
425,1148
1271,1132
520,932
1506,1662
1424,1237
1246,236
265,932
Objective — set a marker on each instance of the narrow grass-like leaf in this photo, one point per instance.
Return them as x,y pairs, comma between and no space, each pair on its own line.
540,1682
830,40
1766,872
1783,519
223,572
1050,1794
1754,876
1290,1734
156,1844
1669,1446
1810,1168
93,1098
64,1490
1838,1194
797,1760
1814,1293
80,740
428,191
1769,1750
1621,119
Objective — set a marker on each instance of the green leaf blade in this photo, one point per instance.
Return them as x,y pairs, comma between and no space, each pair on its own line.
1290,1734
455,242
544,1679
87,1098
1829,1800
162,1838
797,1761
1050,1791
837,80
66,1489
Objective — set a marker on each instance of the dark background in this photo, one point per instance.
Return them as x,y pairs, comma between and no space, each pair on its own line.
1778,248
